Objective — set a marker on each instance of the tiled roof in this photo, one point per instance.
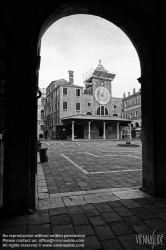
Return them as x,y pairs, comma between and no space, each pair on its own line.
95,117
100,71
61,81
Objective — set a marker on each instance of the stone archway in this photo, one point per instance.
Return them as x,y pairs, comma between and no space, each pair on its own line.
116,16
22,36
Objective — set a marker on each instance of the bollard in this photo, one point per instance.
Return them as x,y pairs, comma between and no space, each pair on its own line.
43,155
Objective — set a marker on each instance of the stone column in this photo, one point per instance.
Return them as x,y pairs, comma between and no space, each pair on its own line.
21,159
72,138
130,132
153,137
104,130
89,130
117,130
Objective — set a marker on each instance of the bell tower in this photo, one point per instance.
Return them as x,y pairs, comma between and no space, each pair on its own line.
98,82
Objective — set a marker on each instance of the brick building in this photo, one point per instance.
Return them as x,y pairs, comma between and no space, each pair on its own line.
132,110
88,112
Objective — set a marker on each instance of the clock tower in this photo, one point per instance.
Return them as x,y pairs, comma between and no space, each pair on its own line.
98,83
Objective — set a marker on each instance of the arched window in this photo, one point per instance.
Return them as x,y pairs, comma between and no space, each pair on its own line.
137,124
102,111
106,111
88,113
115,115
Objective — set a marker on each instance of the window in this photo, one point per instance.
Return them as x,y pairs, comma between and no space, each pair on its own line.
125,104
58,120
42,114
77,92
130,115
126,116
88,113
64,105
114,106
78,106
135,100
89,104
136,113
102,111
42,101
58,105
106,111
64,91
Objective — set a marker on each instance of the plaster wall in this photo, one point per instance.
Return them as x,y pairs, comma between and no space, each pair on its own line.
110,130
71,100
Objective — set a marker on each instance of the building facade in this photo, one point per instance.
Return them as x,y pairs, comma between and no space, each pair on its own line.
132,110
40,113
89,112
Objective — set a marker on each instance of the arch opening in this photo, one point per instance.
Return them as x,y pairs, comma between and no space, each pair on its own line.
127,26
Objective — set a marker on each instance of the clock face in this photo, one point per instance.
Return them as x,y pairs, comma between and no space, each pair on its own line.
102,95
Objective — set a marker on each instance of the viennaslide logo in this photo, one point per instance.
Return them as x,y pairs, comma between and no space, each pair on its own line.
147,239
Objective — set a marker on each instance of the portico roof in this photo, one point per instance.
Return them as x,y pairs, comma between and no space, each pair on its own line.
95,117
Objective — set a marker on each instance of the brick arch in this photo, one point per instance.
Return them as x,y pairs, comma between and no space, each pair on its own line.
110,12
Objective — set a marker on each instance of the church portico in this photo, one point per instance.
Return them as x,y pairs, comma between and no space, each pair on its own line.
94,127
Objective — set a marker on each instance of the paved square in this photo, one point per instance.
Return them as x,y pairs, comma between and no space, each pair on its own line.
96,171
107,209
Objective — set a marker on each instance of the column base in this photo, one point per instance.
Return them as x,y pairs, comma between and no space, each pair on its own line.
153,193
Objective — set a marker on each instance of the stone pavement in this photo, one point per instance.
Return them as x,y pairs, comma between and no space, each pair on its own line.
105,210
106,225
86,166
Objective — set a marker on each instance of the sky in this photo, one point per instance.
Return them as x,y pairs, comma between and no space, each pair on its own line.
78,42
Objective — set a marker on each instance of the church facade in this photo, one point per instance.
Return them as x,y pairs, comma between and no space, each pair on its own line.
89,112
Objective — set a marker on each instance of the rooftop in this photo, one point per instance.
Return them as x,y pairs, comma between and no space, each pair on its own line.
100,71
95,117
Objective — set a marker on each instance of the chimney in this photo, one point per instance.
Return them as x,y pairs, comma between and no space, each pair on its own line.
134,91
128,93
71,77
124,95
